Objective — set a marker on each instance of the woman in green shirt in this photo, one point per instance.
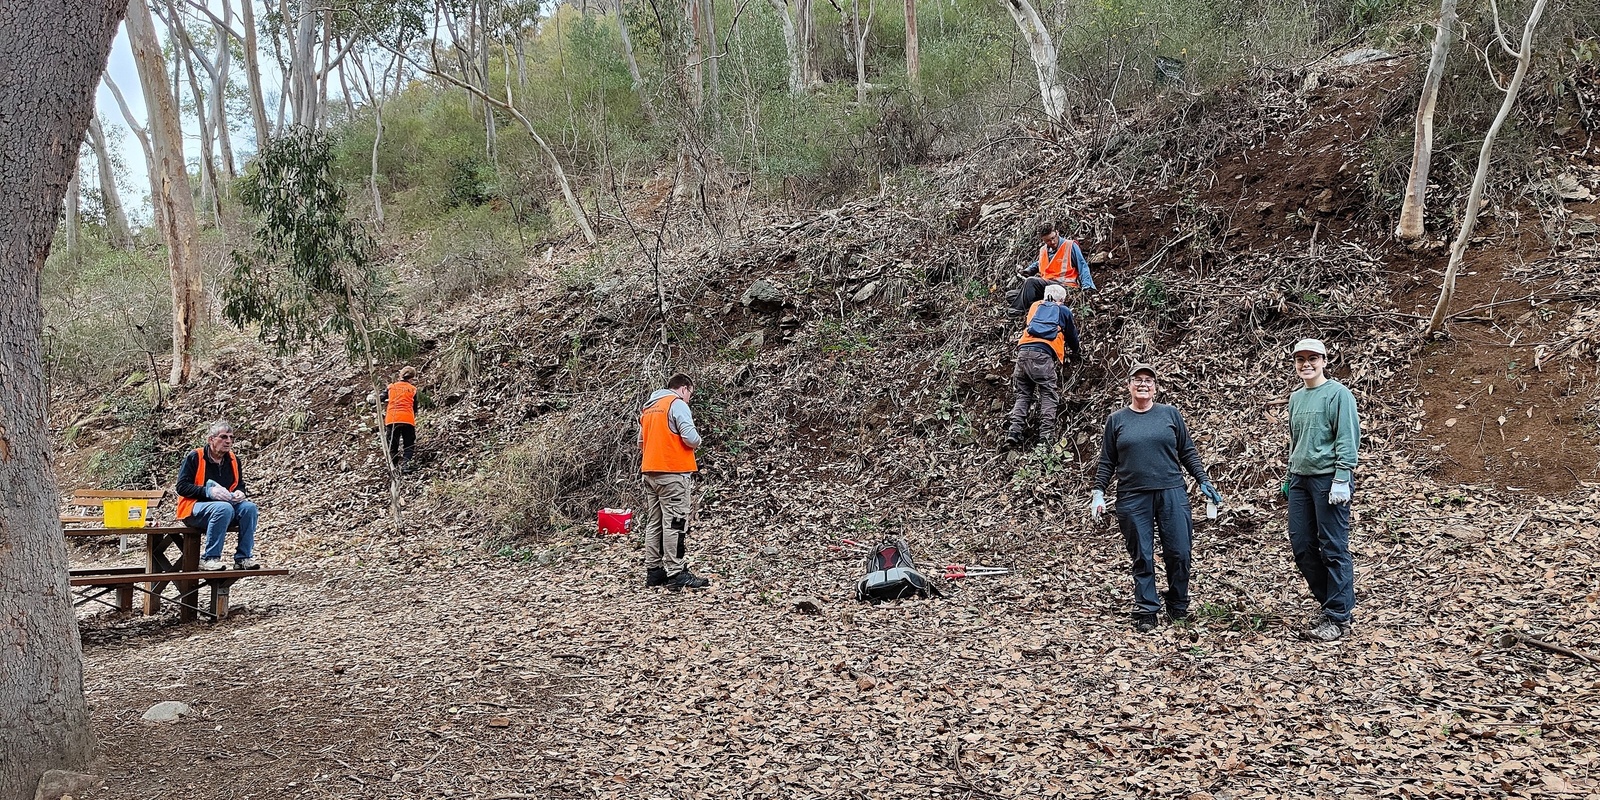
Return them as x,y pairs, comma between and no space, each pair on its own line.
1324,435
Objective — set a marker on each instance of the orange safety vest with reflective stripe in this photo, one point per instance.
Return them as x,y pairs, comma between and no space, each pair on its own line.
402,404
1059,268
186,504
664,451
1058,344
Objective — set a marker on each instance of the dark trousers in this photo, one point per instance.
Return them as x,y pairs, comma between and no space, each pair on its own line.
1141,515
1032,291
1035,376
1319,533
402,440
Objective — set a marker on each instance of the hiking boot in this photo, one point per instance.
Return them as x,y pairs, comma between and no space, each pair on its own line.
1013,442
655,576
1328,631
1178,616
246,563
212,564
1144,623
686,580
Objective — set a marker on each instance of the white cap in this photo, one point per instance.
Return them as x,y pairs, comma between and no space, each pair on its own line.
1310,346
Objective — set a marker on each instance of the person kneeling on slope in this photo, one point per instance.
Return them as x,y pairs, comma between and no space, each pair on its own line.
1043,345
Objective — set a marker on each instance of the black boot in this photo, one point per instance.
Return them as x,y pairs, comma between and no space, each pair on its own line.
655,576
686,580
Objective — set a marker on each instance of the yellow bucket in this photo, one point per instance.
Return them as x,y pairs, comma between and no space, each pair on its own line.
126,513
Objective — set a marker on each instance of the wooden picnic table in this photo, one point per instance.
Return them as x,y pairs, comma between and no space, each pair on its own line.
172,558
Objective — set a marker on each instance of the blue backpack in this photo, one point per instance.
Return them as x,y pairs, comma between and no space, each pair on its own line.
1047,321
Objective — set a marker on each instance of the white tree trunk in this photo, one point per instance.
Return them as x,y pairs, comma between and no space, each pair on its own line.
180,229
44,110
252,72
1469,218
144,144
117,228
1042,49
73,221
1411,211
633,66
861,29
792,47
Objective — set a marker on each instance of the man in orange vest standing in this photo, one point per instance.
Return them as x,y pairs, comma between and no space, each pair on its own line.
1061,263
211,496
667,441
400,417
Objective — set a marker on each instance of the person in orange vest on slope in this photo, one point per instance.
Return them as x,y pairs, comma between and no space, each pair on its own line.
400,417
211,497
667,441
1061,263
1043,345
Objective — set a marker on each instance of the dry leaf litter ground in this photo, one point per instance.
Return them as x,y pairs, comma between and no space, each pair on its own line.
853,369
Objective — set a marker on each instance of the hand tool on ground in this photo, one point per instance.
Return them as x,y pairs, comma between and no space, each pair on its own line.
955,572
850,546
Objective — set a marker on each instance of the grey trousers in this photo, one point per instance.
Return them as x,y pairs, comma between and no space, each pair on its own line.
1035,376
666,520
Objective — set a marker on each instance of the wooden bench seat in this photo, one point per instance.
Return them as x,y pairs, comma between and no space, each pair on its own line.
97,581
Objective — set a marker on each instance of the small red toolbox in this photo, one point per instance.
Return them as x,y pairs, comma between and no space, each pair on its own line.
615,521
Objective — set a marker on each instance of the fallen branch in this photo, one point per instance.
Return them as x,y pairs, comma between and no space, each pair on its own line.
1511,639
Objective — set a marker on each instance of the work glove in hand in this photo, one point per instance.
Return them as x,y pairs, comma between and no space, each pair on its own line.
219,494
1097,505
1339,493
1211,493
1284,489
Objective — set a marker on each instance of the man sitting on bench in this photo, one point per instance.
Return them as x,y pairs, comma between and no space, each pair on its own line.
211,496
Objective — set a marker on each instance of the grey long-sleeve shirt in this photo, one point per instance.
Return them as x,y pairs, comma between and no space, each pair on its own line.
1147,450
680,420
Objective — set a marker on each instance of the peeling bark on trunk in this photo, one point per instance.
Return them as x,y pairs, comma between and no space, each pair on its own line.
44,111
694,63
118,231
1411,211
1469,217
170,193
1042,49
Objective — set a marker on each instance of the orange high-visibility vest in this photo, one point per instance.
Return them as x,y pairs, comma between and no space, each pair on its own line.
1058,344
664,451
402,404
186,504
1059,268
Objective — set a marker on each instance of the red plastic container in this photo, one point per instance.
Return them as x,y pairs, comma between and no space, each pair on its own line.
615,521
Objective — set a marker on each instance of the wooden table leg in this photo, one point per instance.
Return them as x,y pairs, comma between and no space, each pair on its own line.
125,597
155,560
189,591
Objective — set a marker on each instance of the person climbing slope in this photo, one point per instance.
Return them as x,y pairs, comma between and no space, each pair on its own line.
1042,346
400,417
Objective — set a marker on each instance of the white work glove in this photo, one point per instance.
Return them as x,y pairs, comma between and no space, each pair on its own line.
238,497
1097,505
219,494
1339,493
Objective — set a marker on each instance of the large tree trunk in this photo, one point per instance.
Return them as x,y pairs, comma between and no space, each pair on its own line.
1411,224
51,55
170,194
633,65
210,185
913,58
1042,49
1469,218
118,231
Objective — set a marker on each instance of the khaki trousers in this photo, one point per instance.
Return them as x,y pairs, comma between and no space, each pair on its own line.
666,520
